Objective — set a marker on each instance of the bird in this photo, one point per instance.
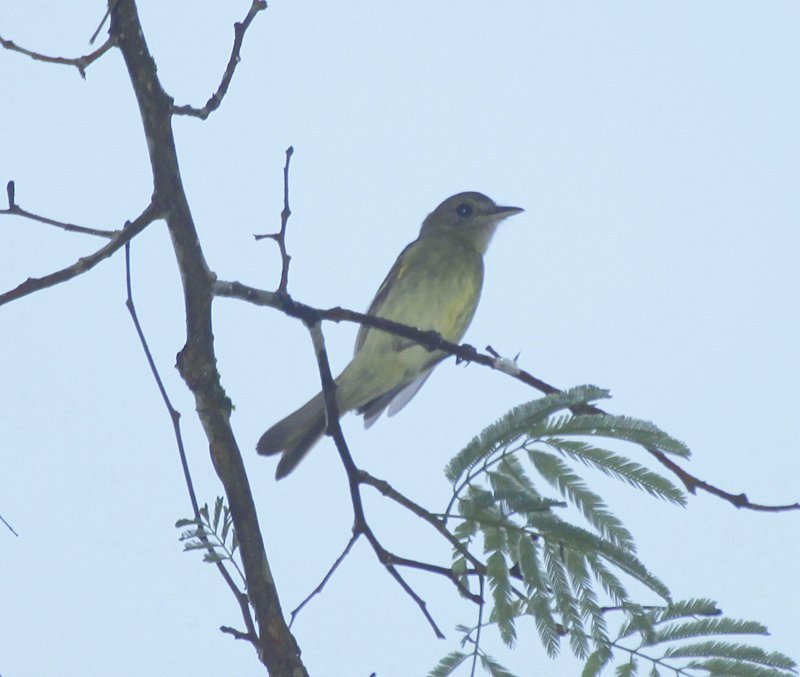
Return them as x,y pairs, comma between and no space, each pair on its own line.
434,285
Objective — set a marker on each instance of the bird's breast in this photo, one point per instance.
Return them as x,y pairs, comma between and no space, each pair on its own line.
437,288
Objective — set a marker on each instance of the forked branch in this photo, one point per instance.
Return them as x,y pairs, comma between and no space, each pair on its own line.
79,62
84,264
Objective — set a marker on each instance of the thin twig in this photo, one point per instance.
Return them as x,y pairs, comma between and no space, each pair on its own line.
69,227
423,606
476,471
238,634
239,29
481,608
334,430
85,263
80,62
447,572
111,7
15,210
8,526
436,522
325,578
465,352
280,236
175,417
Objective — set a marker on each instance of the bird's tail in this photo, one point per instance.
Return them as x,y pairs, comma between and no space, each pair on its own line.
294,435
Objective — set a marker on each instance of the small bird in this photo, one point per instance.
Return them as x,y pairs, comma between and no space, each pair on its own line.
434,285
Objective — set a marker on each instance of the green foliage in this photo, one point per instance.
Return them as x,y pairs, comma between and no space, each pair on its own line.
213,533
627,669
493,667
599,658
448,664
693,620
620,468
570,578
558,474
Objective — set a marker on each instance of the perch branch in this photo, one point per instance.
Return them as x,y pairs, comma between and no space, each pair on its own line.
465,352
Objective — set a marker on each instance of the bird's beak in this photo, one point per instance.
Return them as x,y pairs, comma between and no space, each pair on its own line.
503,212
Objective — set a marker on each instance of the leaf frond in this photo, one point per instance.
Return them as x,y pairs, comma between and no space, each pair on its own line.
448,664
514,424
593,508
740,652
725,667
624,428
493,667
620,467
709,626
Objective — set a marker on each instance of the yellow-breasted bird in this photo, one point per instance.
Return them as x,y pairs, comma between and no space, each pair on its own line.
434,285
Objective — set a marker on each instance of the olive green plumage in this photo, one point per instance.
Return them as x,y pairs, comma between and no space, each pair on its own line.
435,284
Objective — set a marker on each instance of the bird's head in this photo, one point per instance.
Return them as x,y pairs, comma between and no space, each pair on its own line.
469,216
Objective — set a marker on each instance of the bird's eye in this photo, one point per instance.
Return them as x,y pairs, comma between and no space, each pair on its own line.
464,210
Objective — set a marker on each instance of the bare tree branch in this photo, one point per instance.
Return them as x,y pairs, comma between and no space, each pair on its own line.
316,591
15,210
80,62
334,430
238,634
436,522
280,236
175,418
85,263
239,29
8,526
277,648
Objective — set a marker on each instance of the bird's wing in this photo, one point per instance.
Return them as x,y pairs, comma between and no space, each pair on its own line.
397,271
407,393
395,400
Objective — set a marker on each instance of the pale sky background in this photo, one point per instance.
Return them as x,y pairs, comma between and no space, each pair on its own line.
656,150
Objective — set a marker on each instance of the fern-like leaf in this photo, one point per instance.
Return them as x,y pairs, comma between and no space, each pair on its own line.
495,543
212,533
598,660
624,428
739,652
709,626
628,669
566,604
447,665
620,468
689,607
560,475
493,667
587,598
546,626
588,543
611,584
515,423
725,667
